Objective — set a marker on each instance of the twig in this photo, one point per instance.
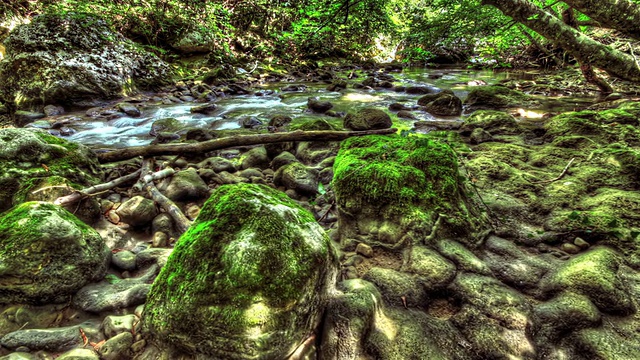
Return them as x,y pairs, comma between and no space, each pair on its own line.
327,212
79,194
559,176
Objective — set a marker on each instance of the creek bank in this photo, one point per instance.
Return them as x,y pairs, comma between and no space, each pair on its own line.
447,282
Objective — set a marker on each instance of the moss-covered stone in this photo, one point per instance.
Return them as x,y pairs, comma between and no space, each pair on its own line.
595,275
396,285
248,278
367,119
391,191
496,97
27,156
433,271
46,254
494,122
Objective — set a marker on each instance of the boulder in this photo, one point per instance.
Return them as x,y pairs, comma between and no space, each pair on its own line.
137,211
47,254
186,185
493,122
443,104
498,97
298,177
66,59
388,189
367,119
249,277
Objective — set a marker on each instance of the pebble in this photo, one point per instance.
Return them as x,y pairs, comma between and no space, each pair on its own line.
364,250
160,239
79,354
581,243
569,248
113,325
124,260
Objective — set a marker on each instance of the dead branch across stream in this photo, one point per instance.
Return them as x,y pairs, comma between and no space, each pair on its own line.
232,141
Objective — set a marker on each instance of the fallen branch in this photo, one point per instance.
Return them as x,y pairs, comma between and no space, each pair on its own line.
79,194
559,176
227,142
182,223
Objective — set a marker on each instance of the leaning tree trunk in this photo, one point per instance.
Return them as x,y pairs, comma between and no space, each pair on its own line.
622,15
582,47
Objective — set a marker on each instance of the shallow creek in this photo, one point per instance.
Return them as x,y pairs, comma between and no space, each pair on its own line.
131,131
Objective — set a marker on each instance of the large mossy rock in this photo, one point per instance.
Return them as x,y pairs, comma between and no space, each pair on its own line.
498,97
394,190
29,157
248,280
66,59
367,119
47,254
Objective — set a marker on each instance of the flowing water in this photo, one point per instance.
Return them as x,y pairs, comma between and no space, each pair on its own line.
130,131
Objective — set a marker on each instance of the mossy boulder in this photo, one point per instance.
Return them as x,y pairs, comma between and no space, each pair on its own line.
47,254
494,122
497,97
594,274
392,190
66,59
367,119
27,156
607,126
249,278
444,103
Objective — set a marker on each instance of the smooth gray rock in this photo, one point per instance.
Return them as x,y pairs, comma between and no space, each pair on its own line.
113,325
103,296
117,347
137,211
55,339
124,260
79,354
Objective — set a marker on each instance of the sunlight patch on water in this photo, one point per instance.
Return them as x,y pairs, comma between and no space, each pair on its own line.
360,97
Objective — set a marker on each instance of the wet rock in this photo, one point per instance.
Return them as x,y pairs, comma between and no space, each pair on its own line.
419,90
79,354
113,325
96,298
152,256
494,122
185,185
166,125
218,164
445,104
255,158
124,260
54,340
293,87
279,121
318,106
129,109
267,283
47,254
398,107
364,250
497,97
396,285
595,275
251,122
228,178
206,109
479,136
298,177
284,158
62,53
404,114
117,347
137,211
337,85
52,110
434,271
367,119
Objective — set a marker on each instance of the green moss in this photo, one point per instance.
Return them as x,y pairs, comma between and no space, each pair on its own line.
495,122
245,248
395,170
498,97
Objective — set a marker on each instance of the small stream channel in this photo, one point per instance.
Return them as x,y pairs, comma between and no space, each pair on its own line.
131,131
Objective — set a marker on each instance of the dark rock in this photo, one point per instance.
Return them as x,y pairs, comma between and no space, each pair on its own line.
298,177
129,109
367,119
419,90
54,340
318,106
185,185
206,109
497,97
52,110
280,121
406,114
251,122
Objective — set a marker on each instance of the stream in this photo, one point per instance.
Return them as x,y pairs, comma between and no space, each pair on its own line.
133,131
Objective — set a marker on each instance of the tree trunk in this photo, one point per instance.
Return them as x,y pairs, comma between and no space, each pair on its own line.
583,48
622,15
